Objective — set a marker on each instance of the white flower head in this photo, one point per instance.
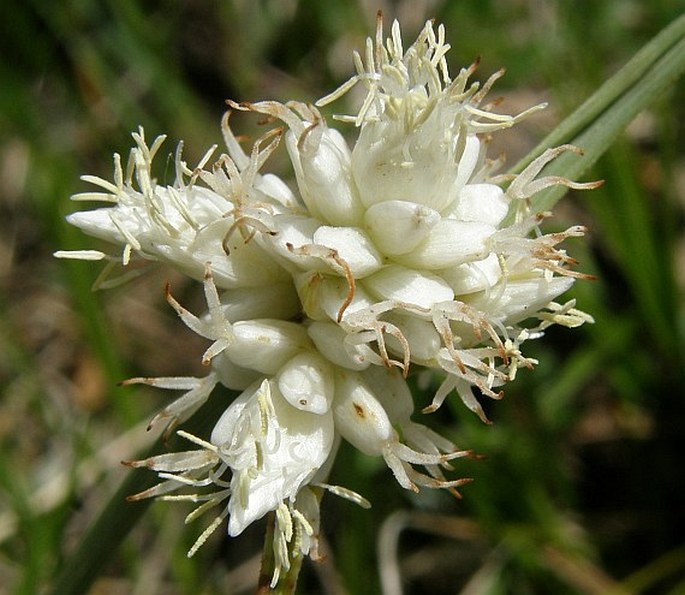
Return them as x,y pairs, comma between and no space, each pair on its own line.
400,251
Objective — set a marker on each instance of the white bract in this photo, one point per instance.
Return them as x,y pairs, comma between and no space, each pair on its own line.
398,252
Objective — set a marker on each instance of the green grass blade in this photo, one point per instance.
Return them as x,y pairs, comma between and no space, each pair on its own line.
653,68
101,542
632,228
119,517
599,136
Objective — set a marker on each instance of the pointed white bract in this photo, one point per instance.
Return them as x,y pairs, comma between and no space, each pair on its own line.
398,252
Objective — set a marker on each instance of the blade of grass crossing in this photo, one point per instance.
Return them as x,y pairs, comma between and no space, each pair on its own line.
118,516
621,83
596,139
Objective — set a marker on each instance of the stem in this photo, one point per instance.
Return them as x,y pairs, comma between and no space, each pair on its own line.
287,582
268,560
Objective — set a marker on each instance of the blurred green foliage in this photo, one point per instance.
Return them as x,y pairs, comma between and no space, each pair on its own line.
581,489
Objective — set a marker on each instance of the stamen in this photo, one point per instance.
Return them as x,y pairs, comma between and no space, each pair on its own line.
207,532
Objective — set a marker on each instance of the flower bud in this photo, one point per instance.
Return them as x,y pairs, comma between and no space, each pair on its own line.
401,284
324,174
392,392
307,382
329,339
522,298
450,243
273,187
325,297
295,231
471,277
424,341
266,345
483,203
398,226
359,416
247,264
353,246
233,376
276,300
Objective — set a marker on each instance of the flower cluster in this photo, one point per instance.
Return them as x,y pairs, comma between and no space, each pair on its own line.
405,251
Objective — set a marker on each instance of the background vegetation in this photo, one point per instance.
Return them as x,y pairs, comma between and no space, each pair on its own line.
582,487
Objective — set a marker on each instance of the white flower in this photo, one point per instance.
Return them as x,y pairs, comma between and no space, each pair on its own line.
185,225
401,250
272,449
